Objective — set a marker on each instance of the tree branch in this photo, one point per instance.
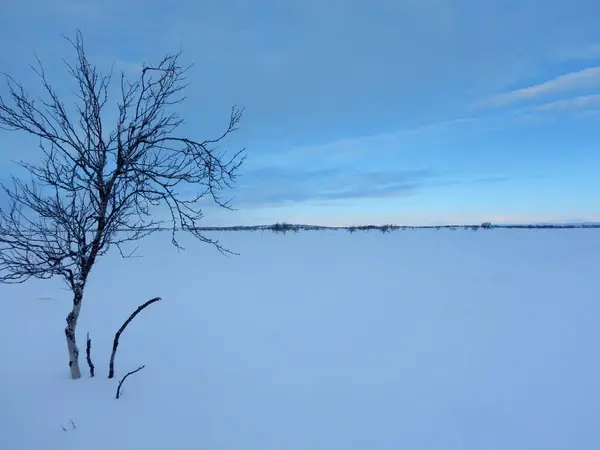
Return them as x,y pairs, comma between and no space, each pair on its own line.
119,387
88,354
111,365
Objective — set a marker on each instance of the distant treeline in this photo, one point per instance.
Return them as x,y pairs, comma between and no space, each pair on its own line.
283,227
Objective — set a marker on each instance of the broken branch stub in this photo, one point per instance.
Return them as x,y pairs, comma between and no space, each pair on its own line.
88,354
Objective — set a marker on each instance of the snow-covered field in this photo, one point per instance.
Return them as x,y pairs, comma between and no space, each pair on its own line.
417,339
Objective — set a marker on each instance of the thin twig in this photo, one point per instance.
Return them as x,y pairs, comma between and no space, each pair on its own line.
124,378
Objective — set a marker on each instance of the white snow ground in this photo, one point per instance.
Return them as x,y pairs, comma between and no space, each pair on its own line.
418,339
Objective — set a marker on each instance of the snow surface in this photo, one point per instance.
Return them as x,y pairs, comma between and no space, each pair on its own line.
417,339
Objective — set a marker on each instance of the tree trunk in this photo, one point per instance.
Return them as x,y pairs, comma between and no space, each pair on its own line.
70,334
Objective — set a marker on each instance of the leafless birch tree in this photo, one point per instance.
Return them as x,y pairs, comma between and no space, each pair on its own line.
97,186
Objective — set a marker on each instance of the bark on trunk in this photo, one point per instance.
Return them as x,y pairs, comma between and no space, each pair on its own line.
70,334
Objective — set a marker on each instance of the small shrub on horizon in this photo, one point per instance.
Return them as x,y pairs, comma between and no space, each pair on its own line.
283,227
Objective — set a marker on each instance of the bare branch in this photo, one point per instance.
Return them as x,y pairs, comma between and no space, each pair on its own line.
88,354
120,386
111,365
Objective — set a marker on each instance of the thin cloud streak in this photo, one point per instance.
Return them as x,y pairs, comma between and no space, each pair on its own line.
272,187
581,102
276,187
581,79
355,148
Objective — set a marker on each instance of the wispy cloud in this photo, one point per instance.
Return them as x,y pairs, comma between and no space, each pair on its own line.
354,148
569,82
276,186
581,102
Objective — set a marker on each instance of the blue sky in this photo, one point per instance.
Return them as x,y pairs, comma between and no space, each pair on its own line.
397,111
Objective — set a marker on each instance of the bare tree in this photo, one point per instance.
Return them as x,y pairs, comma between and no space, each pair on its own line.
97,186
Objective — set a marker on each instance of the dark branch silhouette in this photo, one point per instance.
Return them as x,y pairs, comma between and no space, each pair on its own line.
120,386
88,355
100,183
111,365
